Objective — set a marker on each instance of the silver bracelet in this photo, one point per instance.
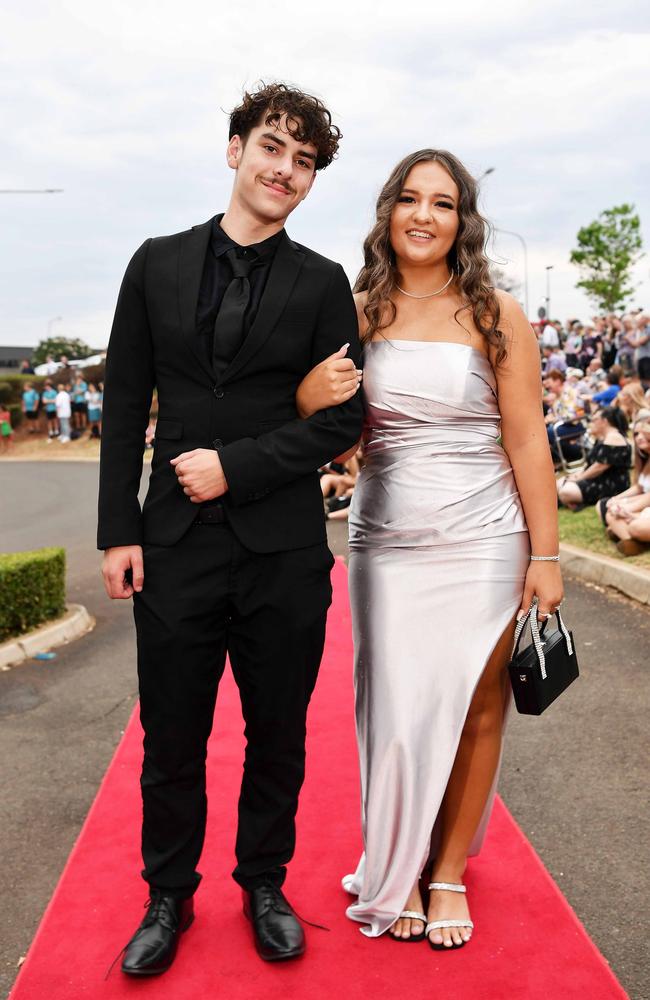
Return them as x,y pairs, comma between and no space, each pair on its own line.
544,558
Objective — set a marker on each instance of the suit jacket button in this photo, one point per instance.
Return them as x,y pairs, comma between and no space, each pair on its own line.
218,391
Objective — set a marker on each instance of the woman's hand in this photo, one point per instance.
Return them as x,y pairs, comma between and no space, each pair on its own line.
543,581
332,382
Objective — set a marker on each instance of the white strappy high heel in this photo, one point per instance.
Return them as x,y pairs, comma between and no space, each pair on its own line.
411,915
437,924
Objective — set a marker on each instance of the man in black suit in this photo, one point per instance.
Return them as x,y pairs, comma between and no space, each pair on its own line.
228,554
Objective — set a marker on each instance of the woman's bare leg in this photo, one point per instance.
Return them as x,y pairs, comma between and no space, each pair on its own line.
569,493
465,798
468,789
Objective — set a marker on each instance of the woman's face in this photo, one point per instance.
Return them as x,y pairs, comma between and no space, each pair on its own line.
598,426
424,221
642,438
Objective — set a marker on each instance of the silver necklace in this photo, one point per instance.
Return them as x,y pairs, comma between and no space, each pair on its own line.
429,295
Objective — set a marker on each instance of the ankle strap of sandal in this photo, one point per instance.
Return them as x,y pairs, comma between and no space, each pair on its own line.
450,886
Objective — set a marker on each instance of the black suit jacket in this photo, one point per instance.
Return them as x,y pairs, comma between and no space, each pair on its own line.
269,455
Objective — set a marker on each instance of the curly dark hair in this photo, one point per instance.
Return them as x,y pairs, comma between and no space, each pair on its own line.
308,120
467,256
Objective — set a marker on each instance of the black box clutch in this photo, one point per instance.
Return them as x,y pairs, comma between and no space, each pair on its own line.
542,671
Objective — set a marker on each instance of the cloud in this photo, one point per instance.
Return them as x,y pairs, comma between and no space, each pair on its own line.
122,107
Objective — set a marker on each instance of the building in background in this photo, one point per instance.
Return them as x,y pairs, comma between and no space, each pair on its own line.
11,359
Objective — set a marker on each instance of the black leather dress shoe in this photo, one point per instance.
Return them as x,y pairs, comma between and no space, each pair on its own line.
153,947
277,931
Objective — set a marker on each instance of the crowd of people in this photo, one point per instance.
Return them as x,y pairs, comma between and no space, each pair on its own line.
64,410
596,380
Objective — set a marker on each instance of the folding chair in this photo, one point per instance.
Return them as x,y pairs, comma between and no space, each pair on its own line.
571,448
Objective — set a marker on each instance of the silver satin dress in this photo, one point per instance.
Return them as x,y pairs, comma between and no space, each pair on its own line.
438,555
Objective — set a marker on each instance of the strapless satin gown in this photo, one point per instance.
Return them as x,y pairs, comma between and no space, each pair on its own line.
438,555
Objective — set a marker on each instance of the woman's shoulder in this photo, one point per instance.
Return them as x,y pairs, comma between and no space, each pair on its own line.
614,439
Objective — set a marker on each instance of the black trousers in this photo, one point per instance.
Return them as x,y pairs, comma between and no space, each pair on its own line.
202,598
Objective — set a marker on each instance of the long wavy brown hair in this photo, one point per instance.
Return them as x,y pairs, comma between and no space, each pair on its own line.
467,257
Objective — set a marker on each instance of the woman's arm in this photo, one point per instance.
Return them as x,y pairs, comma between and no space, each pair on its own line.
591,472
525,441
330,383
333,380
631,492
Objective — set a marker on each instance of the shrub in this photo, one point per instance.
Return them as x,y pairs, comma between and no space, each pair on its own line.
32,589
6,392
16,414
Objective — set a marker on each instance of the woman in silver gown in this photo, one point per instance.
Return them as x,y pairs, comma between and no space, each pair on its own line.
453,530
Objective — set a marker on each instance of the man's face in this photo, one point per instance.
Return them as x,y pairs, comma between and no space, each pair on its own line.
275,172
554,385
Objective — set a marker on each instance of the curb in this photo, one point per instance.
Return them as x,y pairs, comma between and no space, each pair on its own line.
606,572
72,625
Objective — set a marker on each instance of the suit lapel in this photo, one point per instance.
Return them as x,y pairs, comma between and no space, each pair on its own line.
284,270
194,245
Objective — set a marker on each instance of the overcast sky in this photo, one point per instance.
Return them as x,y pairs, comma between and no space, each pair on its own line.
122,105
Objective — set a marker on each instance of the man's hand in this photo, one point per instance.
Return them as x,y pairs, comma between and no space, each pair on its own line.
117,562
200,474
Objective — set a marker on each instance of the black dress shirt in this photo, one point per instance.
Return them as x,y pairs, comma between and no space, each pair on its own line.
217,275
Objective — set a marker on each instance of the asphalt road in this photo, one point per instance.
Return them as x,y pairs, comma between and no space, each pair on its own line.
575,779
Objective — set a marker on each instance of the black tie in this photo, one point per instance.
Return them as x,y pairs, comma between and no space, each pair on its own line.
229,324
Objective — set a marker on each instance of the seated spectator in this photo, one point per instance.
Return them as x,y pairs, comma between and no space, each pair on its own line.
564,410
631,399
594,375
608,463
150,433
627,515
553,357
606,396
338,486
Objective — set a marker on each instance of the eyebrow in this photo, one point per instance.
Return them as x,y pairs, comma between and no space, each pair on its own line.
281,142
436,194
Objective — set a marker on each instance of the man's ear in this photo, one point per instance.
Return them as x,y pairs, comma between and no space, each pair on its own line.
234,152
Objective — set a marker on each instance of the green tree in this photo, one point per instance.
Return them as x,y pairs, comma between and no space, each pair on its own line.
607,250
56,346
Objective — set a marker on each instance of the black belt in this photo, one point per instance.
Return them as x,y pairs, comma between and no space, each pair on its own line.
214,514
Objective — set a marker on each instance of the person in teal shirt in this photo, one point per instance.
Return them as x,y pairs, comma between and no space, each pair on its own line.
30,406
48,399
79,404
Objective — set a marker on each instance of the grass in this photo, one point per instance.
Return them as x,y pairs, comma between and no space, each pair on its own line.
584,529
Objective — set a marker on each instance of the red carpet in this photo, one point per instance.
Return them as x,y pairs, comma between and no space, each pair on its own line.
99,899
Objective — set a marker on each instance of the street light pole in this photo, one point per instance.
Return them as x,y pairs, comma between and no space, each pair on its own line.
509,232
549,268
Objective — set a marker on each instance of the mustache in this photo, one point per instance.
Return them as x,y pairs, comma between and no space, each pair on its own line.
287,187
